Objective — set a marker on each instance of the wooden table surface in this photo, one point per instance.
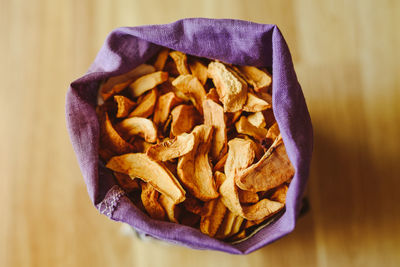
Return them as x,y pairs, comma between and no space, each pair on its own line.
347,58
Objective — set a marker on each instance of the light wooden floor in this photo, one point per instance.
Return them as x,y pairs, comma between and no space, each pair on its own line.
347,58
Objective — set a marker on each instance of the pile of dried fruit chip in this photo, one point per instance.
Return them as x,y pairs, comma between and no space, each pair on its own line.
194,141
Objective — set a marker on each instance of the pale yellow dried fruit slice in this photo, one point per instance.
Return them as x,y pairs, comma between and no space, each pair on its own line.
260,80
170,207
226,226
194,168
191,87
210,223
241,154
247,197
150,202
146,106
141,145
255,104
232,92
118,83
124,105
147,82
163,107
214,116
126,182
141,166
199,70
243,126
180,60
142,127
184,118
257,119
280,193
111,143
272,170
172,148
161,59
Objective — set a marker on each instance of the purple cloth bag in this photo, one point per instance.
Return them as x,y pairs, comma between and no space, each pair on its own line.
231,41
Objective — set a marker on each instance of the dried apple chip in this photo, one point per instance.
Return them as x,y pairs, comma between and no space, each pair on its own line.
260,80
180,61
199,70
257,119
255,104
145,107
272,170
213,95
170,207
141,166
220,164
210,223
273,132
147,82
232,92
184,118
194,168
214,116
150,202
116,84
191,87
111,142
172,148
124,105
164,105
138,126
161,59
195,206
245,127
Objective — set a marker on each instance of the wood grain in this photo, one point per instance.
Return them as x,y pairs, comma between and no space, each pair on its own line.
346,55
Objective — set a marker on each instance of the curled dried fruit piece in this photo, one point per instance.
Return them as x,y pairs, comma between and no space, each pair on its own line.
255,104
213,95
199,70
180,61
184,118
194,168
232,92
219,179
257,119
260,80
191,87
138,126
210,223
161,59
164,105
272,170
241,154
126,182
116,84
214,116
170,208
195,206
245,127
172,148
111,142
150,202
147,82
124,105
141,166
141,145
146,106
280,194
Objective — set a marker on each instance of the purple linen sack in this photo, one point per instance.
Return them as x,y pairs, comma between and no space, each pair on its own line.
231,41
